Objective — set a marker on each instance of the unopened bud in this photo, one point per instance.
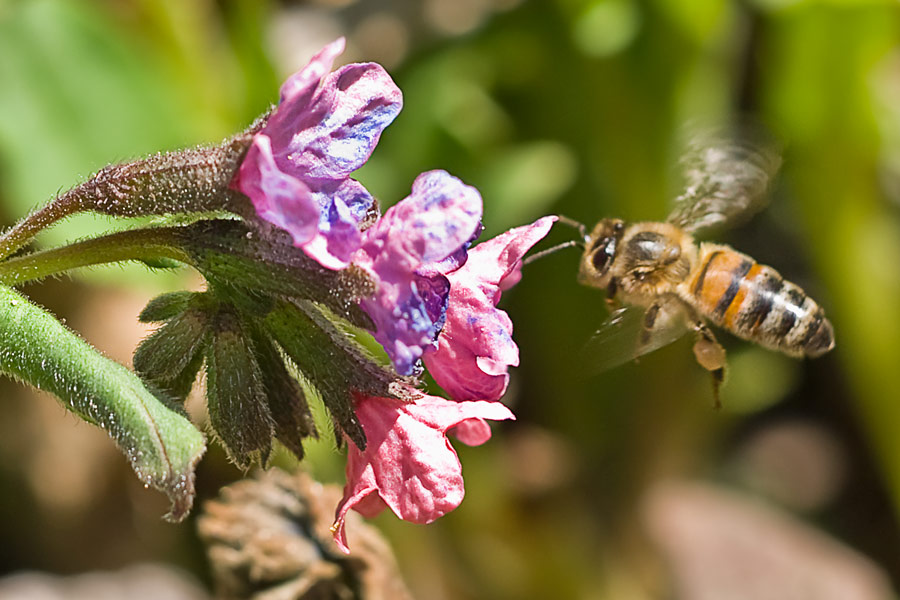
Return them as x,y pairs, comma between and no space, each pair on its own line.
188,181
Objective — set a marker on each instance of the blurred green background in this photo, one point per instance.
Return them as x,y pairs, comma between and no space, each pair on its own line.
624,485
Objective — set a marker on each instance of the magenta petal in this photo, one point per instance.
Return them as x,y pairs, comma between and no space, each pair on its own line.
408,461
438,219
475,347
299,88
278,197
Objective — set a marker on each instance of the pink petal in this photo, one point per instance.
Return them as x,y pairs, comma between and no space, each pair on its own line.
299,87
408,463
278,197
475,347
499,258
472,432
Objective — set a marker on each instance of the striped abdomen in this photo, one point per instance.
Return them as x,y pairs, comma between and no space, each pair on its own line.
754,302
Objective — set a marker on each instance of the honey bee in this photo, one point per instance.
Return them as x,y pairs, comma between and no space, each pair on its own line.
670,284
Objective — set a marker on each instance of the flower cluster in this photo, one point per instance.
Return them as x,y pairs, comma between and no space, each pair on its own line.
434,298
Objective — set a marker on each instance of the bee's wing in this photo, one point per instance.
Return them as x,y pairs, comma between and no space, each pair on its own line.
623,337
726,177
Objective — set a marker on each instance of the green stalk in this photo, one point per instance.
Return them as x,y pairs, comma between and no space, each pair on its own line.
137,244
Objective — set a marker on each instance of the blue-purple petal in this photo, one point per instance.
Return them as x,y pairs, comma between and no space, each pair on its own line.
335,134
404,251
434,290
404,330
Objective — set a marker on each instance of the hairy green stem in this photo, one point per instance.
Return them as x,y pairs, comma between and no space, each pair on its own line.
25,230
138,244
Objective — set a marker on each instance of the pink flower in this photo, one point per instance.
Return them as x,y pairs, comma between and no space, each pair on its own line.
405,252
475,348
297,170
408,464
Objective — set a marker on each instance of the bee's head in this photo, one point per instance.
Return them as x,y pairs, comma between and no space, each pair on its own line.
600,252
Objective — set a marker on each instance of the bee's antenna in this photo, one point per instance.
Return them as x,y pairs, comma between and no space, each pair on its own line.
582,230
551,250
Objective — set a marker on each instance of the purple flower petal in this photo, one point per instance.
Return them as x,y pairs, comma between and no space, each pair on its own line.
438,219
356,103
299,87
475,347
434,290
343,205
324,128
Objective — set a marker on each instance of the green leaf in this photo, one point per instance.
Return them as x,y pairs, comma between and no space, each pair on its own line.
171,348
161,444
166,306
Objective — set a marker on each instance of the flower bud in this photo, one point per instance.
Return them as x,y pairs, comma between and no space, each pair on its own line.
180,182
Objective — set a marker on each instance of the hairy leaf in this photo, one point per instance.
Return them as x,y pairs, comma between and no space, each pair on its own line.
161,444
287,400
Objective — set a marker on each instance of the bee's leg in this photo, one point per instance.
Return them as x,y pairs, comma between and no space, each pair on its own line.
649,321
611,290
711,356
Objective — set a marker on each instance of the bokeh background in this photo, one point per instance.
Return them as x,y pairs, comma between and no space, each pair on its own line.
623,485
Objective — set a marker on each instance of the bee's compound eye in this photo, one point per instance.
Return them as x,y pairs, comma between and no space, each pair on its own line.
600,259
605,250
